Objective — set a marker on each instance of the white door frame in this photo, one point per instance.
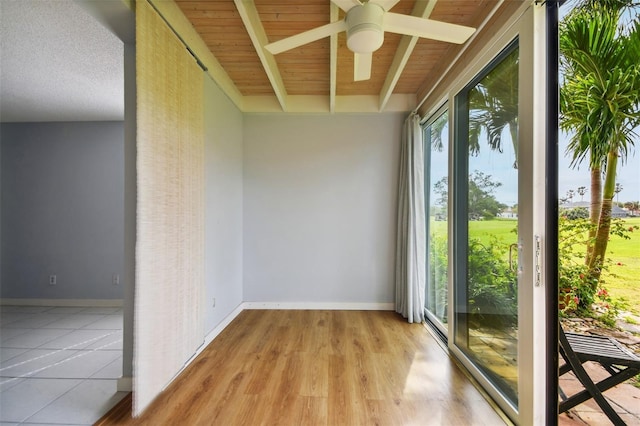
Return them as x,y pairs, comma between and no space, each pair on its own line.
529,26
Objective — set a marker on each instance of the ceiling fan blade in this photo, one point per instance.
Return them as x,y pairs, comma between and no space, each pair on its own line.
362,66
386,4
426,28
306,37
346,4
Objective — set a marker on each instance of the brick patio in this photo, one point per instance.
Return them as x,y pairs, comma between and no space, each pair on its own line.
624,398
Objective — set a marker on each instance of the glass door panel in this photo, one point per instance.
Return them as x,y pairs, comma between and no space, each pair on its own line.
436,148
486,222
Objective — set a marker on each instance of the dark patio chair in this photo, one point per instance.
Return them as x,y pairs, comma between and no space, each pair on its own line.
618,361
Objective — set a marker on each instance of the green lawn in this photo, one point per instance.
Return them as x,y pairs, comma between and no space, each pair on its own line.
502,229
622,281
484,230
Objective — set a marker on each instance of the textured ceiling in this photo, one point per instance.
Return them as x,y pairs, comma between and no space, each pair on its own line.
57,63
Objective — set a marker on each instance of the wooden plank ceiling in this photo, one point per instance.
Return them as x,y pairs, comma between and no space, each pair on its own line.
235,31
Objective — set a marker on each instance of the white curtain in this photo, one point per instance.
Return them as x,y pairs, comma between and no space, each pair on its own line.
411,239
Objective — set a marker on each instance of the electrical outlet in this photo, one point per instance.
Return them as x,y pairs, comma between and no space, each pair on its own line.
53,280
116,279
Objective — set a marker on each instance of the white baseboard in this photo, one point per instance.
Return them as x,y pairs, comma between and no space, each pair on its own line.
101,303
329,306
222,325
125,384
218,329
212,335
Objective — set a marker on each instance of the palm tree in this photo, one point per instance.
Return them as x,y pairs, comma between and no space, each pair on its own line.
493,106
600,103
435,131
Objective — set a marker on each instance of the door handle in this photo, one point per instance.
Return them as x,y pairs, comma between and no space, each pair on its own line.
538,260
511,248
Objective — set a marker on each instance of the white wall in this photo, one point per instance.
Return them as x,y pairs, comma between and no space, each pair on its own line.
320,207
223,243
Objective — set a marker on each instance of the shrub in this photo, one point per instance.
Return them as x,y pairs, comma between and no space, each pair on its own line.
577,213
438,264
579,291
492,285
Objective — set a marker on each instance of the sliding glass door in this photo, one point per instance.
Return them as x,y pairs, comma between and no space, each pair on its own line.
485,183
486,222
436,149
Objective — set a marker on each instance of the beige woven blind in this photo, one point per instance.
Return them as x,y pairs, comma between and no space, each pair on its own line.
168,324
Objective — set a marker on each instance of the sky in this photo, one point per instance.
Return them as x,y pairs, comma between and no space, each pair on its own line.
627,174
500,165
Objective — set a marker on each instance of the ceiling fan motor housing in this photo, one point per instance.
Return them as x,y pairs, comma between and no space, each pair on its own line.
364,28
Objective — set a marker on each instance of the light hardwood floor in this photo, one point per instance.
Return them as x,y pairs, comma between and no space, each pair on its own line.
286,367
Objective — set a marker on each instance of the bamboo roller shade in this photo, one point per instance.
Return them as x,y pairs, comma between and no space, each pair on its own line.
168,323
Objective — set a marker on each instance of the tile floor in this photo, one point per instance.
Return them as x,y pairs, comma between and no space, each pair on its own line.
59,365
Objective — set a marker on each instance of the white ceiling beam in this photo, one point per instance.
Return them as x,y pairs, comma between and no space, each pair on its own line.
318,104
421,9
334,13
174,17
253,25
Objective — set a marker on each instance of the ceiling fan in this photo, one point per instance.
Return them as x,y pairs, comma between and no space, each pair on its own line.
365,23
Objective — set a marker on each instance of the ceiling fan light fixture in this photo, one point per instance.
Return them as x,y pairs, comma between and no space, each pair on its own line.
364,28
365,23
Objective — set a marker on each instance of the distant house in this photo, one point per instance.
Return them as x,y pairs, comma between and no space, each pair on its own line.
575,205
615,210
619,212
508,213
